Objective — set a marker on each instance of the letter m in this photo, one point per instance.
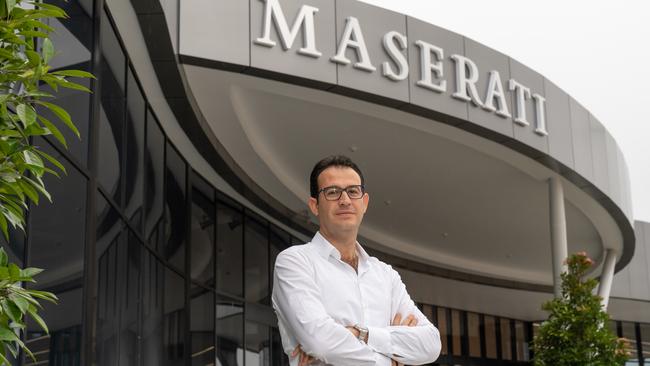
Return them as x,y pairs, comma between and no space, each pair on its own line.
305,20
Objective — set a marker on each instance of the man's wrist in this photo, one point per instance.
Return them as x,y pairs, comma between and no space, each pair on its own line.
361,333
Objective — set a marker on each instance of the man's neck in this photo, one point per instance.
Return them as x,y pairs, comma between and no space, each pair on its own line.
345,244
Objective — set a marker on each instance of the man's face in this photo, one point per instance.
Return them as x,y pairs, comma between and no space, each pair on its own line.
342,215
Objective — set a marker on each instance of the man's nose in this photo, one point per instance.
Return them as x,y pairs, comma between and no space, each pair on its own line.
344,200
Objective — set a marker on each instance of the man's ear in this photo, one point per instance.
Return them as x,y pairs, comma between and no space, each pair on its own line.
313,205
366,200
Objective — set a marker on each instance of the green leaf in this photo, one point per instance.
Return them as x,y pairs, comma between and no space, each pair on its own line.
38,184
52,160
14,271
48,49
74,73
21,303
29,191
55,132
3,226
26,113
62,114
12,311
7,334
74,86
4,258
37,318
43,295
33,57
30,272
10,5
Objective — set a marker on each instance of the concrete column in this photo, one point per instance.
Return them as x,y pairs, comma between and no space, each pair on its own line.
559,251
607,276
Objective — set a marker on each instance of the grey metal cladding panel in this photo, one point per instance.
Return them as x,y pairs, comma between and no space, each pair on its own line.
226,23
581,137
558,124
599,154
613,169
625,202
535,82
289,61
487,60
646,243
450,43
374,23
621,284
639,277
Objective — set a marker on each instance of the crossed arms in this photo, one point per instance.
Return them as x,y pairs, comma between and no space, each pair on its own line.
296,300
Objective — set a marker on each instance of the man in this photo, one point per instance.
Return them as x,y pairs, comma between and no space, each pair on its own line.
335,304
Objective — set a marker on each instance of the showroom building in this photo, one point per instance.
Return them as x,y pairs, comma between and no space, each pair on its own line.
192,175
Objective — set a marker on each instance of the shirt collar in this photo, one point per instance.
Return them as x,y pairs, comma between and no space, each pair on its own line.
326,249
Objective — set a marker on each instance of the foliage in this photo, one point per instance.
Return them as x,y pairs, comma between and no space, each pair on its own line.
576,332
25,54
15,303
24,70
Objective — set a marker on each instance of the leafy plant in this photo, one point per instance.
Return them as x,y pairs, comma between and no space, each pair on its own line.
576,331
15,303
27,87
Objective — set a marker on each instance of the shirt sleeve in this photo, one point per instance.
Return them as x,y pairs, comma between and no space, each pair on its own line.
297,303
407,345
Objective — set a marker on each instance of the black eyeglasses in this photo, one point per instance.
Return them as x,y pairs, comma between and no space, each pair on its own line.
334,193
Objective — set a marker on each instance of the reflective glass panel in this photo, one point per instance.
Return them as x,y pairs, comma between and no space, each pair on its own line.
133,167
153,288
490,337
473,334
279,241
456,332
57,241
174,319
202,311
230,332
229,249
202,235
258,344
629,334
645,341
443,328
175,209
278,357
154,183
257,261
522,344
506,340
131,264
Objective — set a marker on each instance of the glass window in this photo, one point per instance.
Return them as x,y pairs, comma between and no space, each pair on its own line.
645,341
629,334
202,309
202,235
109,260
257,260
490,337
73,41
473,334
456,332
442,327
133,167
229,249
258,344
111,119
506,339
15,246
522,343
131,264
57,240
154,182
278,357
230,332
153,288
174,319
279,240
175,208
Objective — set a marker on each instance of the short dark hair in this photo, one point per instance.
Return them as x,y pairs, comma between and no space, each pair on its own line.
332,160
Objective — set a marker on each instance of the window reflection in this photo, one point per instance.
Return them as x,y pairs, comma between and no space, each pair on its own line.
202,319
202,245
490,337
154,182
257,261
174,319
229,249
153,285
175,218
506,341
230,332
57,243
135,120
473,334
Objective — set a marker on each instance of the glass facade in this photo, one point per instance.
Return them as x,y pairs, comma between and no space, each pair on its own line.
180,273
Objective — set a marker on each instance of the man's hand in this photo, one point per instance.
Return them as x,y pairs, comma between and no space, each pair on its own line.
305,359
410,321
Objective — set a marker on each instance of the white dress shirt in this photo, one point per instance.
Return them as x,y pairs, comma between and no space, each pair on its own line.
316,295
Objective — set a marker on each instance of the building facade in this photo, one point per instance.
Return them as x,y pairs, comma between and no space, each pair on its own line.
191,172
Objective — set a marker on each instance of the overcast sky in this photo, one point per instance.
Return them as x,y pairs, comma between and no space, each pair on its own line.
597,51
